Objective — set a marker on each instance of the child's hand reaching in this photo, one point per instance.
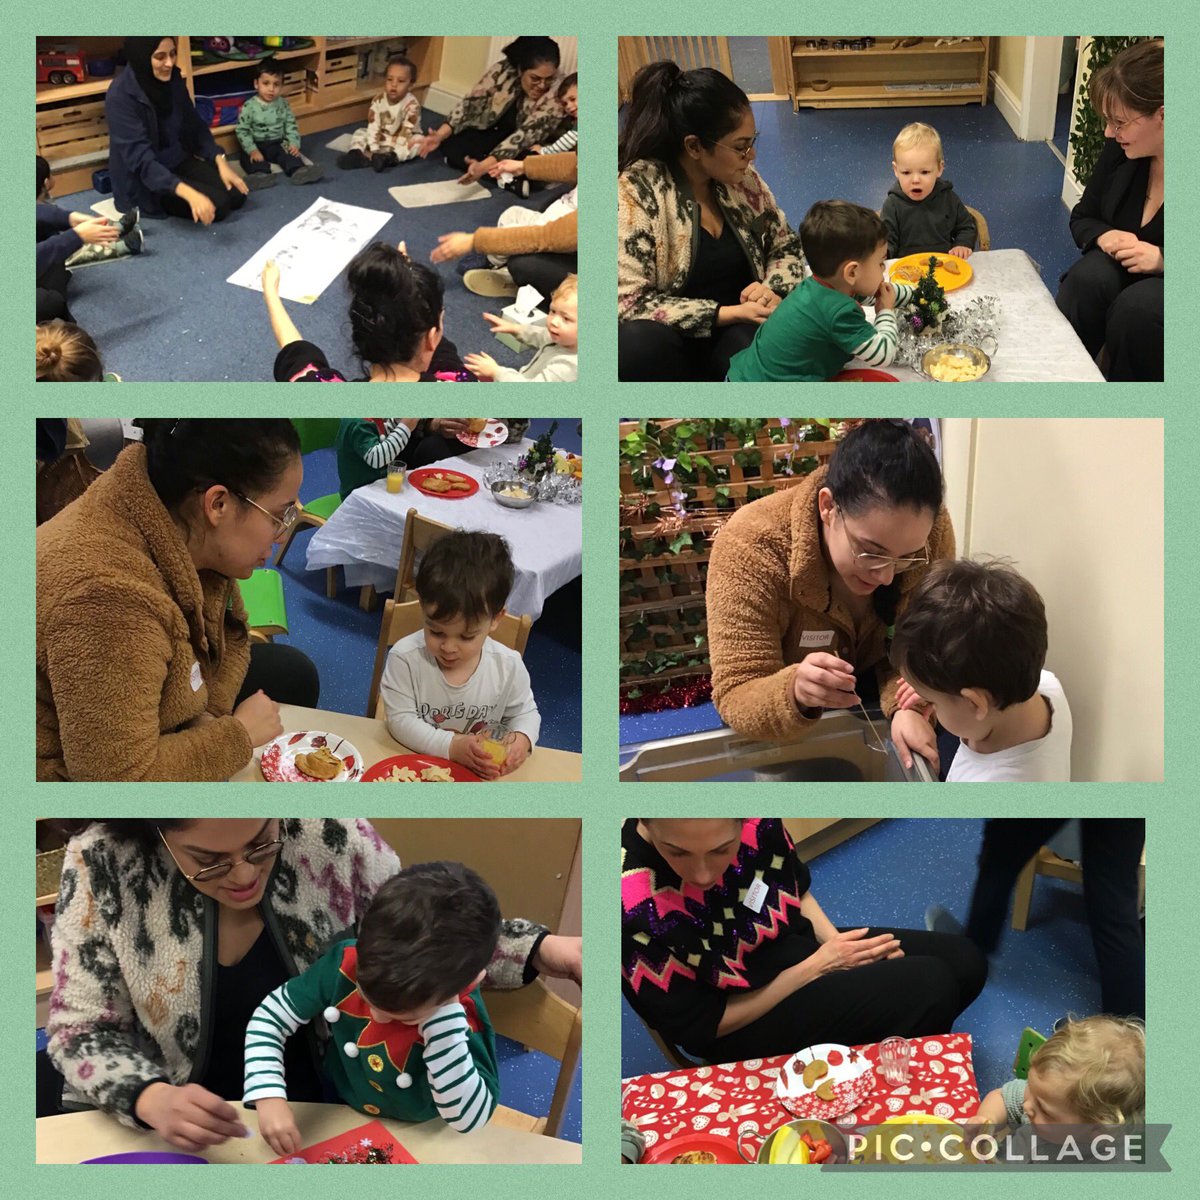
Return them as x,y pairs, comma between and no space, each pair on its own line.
467,750
519,749
500,325
278,1126
97,230
885,298
961,251
482,366
270,278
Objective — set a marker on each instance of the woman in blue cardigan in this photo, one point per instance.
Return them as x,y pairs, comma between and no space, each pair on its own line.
161,155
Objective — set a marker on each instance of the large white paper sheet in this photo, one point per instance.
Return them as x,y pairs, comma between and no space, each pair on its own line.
445,191
313,250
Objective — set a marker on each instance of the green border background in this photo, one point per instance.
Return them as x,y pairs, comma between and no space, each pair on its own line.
1168,807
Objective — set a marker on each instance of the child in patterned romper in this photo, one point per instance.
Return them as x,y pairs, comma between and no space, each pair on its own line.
393,127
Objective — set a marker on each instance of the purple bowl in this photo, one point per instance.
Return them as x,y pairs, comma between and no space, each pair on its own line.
143,1157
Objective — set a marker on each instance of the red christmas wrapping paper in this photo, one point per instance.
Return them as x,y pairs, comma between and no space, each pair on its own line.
718,1099
353,1143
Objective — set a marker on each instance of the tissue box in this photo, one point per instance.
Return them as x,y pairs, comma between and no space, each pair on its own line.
524,308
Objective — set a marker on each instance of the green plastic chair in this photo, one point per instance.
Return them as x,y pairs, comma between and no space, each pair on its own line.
1030,1042
266,611
316,433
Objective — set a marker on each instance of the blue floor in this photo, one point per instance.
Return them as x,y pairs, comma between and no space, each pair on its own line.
527,1081
846,154
341,639
888,875
169,314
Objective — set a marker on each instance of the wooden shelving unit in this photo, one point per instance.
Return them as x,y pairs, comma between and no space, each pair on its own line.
882,77
73,136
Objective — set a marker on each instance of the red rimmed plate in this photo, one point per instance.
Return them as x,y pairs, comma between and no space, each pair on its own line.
863,375
419,479
725,1148
494,433
416,762
279,757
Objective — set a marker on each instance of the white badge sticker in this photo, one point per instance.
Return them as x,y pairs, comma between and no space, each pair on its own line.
816,637
755,896
197,678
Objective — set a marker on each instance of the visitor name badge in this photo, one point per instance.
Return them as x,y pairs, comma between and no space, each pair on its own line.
755,895
197,678
816,637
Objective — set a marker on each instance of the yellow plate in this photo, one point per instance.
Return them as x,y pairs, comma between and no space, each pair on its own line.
948,280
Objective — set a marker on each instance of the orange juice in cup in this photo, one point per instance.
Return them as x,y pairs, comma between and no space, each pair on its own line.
395,477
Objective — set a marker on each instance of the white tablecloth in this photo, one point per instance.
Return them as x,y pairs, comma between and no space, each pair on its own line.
366,533
1036,342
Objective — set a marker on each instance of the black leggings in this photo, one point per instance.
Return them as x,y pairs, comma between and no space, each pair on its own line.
922,993
652,351
286,674
204,177
1112,848
478,143
543,271
1110,307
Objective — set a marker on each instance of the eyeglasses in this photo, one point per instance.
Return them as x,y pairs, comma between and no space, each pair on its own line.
743,151
283,525
256,855
1117,126
881,562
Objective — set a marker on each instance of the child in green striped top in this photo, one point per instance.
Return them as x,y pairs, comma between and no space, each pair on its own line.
409,1036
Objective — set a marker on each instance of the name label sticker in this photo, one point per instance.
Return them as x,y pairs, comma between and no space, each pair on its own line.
197,678
816,637
755,896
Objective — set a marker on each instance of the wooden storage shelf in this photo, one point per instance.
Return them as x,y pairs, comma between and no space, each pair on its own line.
925,46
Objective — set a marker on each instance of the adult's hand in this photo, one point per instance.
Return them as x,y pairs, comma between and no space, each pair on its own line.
230,178
451,246
560,957
449,427
203,209
752,312
507,166
432,140
823,680
761,294
475,169
913,734
190,1117
1142,258
1113,240
260,716
852,948
97,230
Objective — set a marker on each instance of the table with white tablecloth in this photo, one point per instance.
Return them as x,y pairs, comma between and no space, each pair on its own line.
366,532
1036,342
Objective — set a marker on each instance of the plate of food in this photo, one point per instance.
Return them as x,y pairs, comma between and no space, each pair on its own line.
513,493
955,362
443,484
694,1149
863,375
419,768
824,1082
950,272
804,1142
482,432
311,756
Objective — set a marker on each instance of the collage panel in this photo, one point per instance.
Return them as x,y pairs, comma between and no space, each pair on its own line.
431,233
925,209
340,600
309,991
963,991
891,600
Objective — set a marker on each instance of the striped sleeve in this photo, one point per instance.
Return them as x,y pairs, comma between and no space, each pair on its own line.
460,1093
273,1022
564,144
389,447
880,348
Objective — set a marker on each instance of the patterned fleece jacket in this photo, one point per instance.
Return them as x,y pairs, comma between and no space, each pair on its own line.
658,236
538,121
133,951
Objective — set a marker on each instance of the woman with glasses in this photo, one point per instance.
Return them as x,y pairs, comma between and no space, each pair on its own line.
1113,296
169,933
704,254
804,587
144,665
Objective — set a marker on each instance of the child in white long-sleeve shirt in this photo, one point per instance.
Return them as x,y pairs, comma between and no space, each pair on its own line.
557,345
449,688
392,133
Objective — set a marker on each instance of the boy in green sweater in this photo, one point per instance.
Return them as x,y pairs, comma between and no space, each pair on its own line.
819,326
409,1036
267,133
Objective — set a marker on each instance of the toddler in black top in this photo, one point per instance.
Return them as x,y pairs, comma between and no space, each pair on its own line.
922,211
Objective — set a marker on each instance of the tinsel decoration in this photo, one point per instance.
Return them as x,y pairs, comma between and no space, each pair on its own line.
974,324
683,694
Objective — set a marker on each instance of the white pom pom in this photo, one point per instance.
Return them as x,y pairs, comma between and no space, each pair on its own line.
351,1050
331,1014
404,1080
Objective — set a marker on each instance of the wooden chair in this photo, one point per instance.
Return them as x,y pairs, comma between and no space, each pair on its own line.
399,620
539,1020
985,236
419,534
1046,862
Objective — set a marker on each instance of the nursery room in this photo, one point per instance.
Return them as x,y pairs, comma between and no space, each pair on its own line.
789,984
393,208
350,968
391,600
908,599
891,209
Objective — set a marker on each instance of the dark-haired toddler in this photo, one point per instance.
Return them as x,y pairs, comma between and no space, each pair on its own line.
450,689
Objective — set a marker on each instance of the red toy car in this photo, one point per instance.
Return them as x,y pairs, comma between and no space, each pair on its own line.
61,66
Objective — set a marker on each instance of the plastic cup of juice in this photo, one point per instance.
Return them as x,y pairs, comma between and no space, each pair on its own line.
395,478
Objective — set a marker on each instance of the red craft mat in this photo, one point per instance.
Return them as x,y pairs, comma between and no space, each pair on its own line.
717,1099
373,1130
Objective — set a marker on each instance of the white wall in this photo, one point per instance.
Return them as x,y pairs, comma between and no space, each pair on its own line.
464,60
1077,504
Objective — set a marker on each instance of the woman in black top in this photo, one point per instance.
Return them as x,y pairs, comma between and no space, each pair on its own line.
1113,296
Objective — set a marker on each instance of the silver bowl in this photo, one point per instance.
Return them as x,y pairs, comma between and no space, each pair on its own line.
972,354
502,485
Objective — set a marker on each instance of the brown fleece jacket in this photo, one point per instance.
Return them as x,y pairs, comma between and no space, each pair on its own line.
769,605
133,645
555,237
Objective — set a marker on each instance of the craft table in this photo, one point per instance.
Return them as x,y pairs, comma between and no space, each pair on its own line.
77,1136
366,533
718,1099
373,741
1036,342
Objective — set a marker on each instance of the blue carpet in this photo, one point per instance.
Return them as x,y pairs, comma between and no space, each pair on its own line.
888,875
527,1081
341,639
671,722
169,314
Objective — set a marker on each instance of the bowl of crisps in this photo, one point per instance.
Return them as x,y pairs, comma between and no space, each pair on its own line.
955,362
513,493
